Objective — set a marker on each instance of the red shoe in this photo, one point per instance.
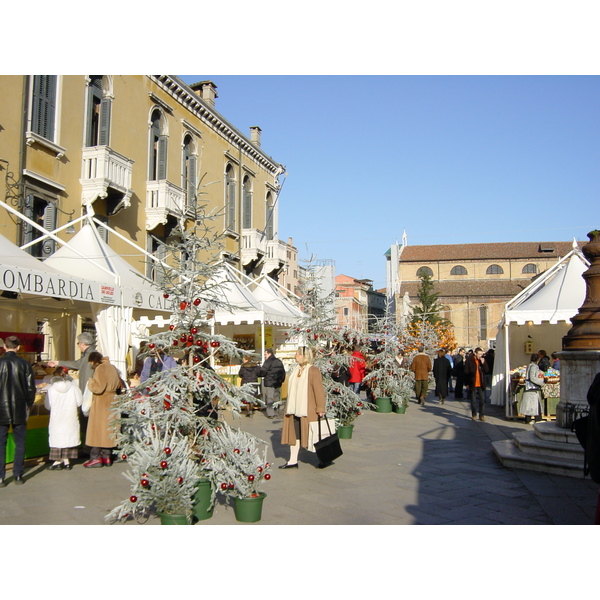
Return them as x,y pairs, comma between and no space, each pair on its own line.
107,461
93,463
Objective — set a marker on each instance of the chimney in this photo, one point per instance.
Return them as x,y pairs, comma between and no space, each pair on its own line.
207,90
255,135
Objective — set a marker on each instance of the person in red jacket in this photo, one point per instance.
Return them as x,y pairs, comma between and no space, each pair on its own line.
357,369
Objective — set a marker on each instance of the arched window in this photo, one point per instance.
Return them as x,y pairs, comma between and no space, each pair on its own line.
230,196
98,111
189,170
458,270
424,271
529,268
494,270
270,216
247,203
158,147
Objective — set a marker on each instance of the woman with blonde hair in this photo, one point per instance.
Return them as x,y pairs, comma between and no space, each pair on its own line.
305,403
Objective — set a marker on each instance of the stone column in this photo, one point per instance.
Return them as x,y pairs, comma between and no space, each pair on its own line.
580,358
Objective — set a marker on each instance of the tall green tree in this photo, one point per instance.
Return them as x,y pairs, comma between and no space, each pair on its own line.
429,308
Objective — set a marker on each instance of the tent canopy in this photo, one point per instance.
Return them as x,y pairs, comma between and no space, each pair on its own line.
120,282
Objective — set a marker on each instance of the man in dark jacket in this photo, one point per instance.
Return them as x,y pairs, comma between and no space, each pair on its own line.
273,376
475,370
17,395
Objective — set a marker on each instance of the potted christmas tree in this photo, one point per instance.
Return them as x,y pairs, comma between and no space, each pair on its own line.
239,465
159,423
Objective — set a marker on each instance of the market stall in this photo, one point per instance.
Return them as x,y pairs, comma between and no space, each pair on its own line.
537,318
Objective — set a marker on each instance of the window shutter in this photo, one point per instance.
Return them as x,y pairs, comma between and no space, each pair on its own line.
162,157
44,105
49,224
231,205
247,208
191,180
105,108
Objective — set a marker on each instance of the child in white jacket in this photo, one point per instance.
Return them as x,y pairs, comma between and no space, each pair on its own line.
63,398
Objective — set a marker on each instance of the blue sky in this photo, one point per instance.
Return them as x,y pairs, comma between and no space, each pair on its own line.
449,159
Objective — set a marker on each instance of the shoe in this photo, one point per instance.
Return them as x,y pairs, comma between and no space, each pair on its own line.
482,418
323,465
473,418
288,466
19,480
2,483
67,467
93,463
107,461
57,467
442,401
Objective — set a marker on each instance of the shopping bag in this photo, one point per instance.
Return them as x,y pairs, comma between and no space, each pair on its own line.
327,448
87,401
313,431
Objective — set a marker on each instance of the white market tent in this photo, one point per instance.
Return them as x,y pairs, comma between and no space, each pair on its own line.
252,301
542,311
123,287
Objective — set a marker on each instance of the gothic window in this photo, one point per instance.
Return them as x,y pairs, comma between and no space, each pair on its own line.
98,112
158,147
270,215
190,181
247,203
230,197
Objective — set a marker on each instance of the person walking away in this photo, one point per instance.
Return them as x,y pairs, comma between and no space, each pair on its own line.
63,398
305,404
459,373
157,362
475,370
532,396
272,372
249,373
100,432
358,365
544,363
420,366
17,395
449,357
489,359
441,370
85,343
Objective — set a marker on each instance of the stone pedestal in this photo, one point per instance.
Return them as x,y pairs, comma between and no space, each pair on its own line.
577,371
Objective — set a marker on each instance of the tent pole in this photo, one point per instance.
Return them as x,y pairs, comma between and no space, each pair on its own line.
507,383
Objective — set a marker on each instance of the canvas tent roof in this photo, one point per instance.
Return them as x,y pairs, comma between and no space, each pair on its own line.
87,256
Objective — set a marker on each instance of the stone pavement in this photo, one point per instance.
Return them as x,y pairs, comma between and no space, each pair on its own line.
431,466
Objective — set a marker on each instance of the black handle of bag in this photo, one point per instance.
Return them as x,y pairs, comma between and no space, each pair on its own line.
328,426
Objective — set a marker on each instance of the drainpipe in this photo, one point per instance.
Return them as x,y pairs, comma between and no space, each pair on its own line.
22,146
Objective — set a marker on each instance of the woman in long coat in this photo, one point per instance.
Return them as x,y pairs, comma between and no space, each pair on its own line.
63,397
100,431
532,396
305,403
441,372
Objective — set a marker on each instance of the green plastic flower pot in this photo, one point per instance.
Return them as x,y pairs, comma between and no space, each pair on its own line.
166,519
202,508
384,405
249,510
400,409
345,432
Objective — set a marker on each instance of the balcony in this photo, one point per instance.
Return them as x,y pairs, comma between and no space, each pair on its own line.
103,168
163,198
276,258
254,247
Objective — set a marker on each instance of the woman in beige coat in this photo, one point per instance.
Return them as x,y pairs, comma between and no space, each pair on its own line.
305,403
100,431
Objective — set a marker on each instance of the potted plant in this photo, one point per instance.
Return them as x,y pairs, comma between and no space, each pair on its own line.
239,464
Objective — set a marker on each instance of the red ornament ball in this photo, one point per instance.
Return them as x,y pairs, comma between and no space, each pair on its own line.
260,469
250,477
171,327
167,451
194,330
180,480
183,305
196,359
151,345
133,498
167,404
164,464
215,344
197,301
267,476
124,456
165,296
237,450
223,486
145,483
175,342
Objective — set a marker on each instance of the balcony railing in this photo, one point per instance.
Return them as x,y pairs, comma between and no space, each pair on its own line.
162,199
104,168
276,257
254,245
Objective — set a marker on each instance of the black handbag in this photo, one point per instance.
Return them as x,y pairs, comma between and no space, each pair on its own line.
328,448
